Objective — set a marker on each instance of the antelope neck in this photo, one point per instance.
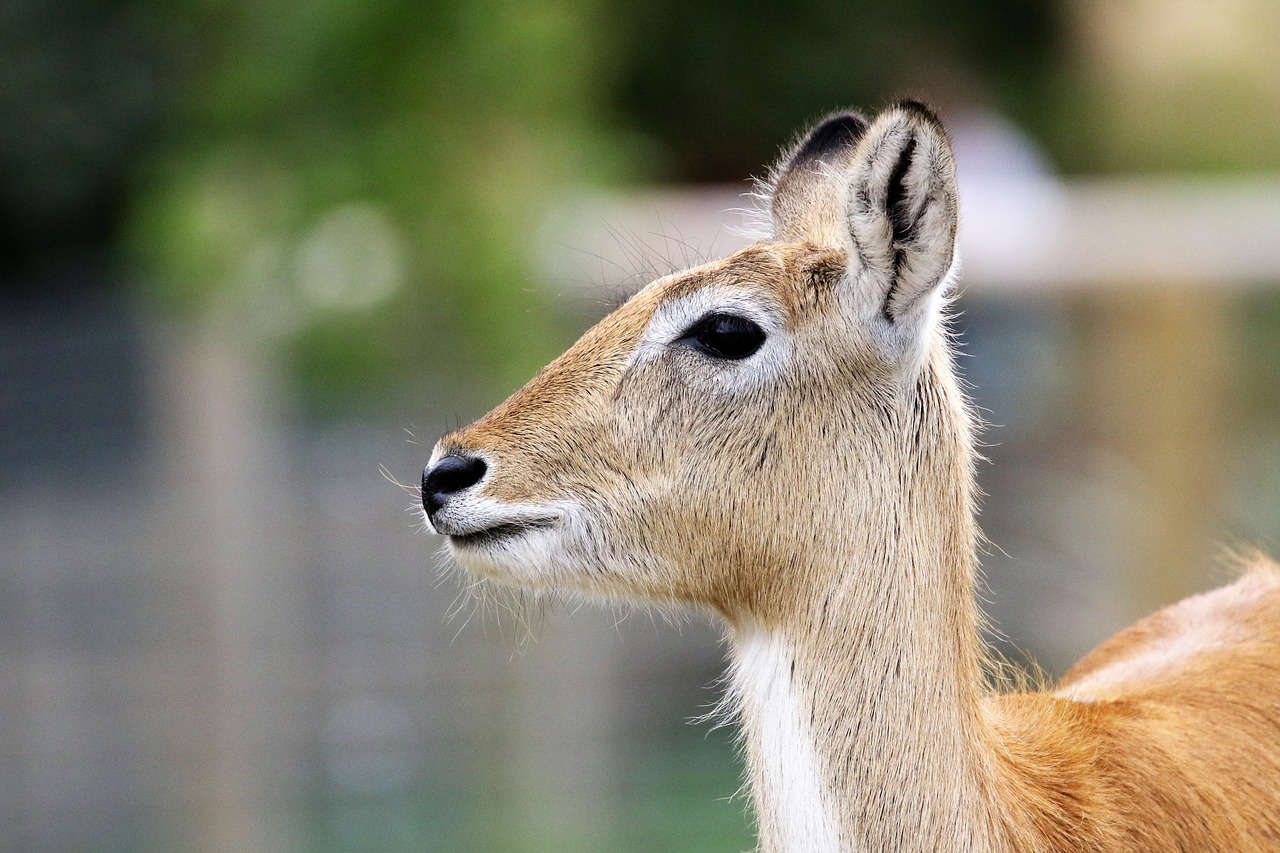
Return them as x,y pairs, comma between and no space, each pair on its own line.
862,720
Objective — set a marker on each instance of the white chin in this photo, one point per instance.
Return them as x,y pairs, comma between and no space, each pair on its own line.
526,558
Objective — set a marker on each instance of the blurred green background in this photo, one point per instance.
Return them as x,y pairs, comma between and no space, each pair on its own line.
254,252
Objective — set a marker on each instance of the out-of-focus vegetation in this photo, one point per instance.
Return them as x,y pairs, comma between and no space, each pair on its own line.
86,91
363,182
366,178
724,88
1155,86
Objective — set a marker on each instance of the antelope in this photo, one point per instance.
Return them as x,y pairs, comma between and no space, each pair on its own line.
778,437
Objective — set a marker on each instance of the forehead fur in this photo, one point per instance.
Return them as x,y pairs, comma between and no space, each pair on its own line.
794,275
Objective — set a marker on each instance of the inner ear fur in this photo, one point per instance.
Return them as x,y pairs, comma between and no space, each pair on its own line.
902,209
807,187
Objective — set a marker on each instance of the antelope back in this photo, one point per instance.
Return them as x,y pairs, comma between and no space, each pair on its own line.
731,424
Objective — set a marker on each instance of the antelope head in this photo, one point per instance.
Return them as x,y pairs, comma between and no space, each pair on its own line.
731,429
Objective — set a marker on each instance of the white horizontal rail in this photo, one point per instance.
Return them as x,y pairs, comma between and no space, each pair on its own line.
1033,236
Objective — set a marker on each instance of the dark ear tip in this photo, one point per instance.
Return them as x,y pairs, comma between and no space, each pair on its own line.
918,110
832,135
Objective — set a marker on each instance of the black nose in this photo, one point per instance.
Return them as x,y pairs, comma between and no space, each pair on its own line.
450,474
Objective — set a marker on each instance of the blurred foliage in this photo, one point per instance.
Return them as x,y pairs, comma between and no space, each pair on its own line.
365,182
368,179
1152,86
84,89
724,88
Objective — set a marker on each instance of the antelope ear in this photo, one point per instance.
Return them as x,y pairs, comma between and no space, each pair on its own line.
807,187
902,213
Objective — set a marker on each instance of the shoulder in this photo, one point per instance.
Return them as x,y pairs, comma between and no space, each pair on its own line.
1197,643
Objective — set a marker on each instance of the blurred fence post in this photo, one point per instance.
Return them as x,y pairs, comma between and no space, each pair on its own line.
228,503
1154,368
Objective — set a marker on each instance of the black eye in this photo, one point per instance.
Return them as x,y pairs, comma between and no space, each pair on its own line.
725,336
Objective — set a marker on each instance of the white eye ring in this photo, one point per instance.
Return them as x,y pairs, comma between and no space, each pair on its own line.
673,319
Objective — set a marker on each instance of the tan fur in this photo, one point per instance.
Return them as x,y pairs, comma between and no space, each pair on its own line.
819,497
